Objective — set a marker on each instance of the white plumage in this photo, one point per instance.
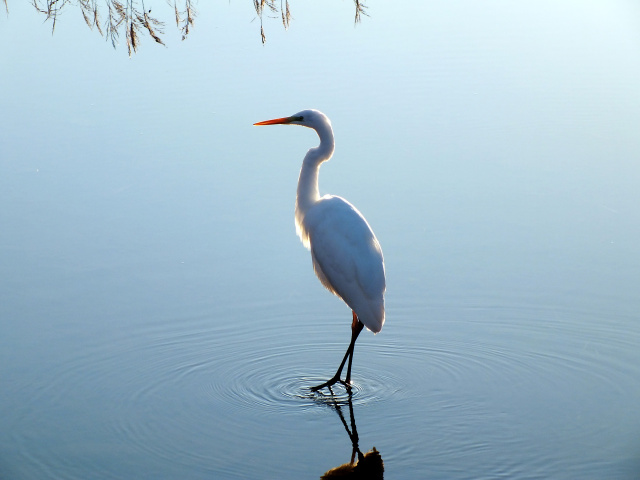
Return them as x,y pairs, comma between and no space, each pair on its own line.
346,255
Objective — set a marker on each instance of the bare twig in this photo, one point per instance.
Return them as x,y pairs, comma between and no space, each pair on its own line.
360,10
150,23
132,18
286,14
259,5
185,18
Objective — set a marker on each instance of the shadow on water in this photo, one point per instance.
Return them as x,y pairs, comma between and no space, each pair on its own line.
368,465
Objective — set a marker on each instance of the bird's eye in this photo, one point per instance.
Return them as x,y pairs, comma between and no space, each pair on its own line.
299,118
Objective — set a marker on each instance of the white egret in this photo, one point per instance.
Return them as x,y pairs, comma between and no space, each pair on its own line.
346,255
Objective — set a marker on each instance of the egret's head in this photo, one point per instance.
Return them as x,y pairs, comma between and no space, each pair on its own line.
307,118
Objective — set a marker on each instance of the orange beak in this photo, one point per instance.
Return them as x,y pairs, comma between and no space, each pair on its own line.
276,121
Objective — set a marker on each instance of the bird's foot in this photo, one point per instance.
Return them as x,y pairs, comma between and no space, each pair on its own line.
328,384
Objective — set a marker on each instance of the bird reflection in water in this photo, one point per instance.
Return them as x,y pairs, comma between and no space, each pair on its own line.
369,466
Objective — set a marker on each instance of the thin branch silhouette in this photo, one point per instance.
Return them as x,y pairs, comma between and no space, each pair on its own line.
133,20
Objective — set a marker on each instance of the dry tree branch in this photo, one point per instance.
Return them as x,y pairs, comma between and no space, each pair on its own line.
360,10
132,18
85,9
89,9
259,6
286,14
53,7
147,21
96,19
117,16
185,17
122,15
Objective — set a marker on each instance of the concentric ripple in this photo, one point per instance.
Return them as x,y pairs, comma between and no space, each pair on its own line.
280,377
166,387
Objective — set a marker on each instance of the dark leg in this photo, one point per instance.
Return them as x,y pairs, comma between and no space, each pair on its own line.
356,328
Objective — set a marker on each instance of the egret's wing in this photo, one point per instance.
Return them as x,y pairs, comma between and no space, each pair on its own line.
347,258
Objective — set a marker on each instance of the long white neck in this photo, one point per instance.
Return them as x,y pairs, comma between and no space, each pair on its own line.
308,193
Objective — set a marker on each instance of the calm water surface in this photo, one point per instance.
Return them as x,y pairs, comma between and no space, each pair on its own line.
159,318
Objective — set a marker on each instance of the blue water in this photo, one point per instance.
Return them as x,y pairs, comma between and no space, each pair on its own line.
160,319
